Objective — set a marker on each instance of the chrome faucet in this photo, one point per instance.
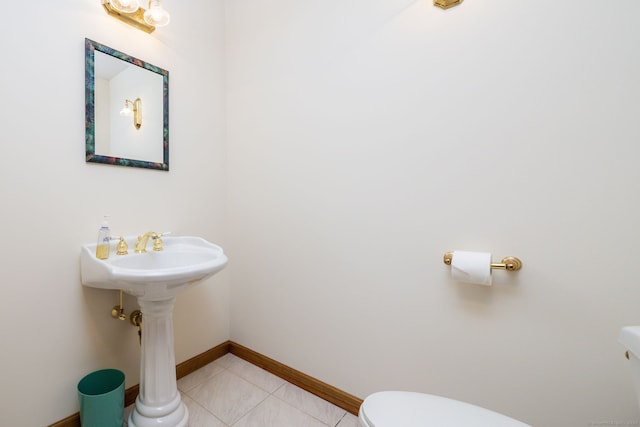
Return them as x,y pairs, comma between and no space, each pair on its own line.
141,244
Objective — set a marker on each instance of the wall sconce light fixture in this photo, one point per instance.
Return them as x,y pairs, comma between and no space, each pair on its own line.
446,4
129,11
133,108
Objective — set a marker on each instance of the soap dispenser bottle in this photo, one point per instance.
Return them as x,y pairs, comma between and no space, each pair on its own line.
104,241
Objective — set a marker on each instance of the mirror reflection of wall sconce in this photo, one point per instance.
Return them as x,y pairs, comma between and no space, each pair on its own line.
129,11
446,4
111,77
133,108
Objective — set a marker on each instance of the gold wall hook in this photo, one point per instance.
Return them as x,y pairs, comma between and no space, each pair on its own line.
509,263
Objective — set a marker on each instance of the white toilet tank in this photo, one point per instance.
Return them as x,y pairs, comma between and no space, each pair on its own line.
630,338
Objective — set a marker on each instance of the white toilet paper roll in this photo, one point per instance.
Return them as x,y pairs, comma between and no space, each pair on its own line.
471,267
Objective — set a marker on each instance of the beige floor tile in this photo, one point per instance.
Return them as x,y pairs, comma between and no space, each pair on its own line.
227,359
349,420
310,404
232,392
227,396
188,382
127,412
273,412
199,416
255,375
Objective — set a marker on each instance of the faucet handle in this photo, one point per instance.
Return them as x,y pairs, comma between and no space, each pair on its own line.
157,243
122,248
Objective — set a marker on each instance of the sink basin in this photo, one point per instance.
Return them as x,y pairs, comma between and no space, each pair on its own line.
154,274
155,278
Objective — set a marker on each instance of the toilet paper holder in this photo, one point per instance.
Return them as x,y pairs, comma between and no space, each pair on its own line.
509,263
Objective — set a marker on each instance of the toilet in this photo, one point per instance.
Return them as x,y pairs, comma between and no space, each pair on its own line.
409,409
630,338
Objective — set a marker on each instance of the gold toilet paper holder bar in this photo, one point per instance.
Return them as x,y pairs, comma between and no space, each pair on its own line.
509,263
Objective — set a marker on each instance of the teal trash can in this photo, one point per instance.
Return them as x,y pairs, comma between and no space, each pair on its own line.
101,395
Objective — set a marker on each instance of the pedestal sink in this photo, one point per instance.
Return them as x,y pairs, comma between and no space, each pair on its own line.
155,278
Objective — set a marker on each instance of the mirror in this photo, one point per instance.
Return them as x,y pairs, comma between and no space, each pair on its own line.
126,109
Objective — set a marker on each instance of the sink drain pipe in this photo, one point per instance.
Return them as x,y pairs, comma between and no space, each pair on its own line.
136,320
117,312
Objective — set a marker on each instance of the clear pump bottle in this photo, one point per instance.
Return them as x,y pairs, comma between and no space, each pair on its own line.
104,241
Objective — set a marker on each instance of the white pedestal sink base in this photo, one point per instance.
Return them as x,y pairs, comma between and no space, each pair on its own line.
155,278
159,402
178,418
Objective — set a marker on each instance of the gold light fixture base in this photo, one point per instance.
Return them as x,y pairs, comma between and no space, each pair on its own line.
446,4
135,19
137,113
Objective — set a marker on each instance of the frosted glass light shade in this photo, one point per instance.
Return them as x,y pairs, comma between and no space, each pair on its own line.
126,6
156,15
126,110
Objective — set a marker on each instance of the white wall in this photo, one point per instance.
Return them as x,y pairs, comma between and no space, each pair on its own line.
366,138
53,331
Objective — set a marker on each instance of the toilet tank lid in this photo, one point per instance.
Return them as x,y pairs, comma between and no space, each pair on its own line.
630,338
409,409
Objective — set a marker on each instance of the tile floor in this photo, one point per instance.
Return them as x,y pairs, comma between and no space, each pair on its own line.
231,392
